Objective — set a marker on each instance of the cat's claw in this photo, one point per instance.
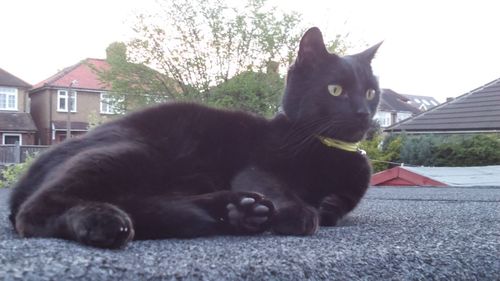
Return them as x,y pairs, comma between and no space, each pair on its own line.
250,213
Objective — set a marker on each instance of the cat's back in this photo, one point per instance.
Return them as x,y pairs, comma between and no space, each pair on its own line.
181,121
189,116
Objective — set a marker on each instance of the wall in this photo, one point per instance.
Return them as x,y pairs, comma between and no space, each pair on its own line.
40,112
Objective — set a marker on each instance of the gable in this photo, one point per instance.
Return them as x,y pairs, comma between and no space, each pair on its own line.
400,176
438,176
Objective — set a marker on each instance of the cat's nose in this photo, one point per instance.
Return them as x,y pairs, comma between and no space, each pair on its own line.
362,112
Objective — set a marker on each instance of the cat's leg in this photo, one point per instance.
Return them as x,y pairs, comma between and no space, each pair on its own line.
71,204
50,214
222,212
108,226
293,216
335,206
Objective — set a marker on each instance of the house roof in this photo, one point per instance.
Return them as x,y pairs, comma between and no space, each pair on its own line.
422,102
392,101
438,176
16,122
477,110
7,79
82,72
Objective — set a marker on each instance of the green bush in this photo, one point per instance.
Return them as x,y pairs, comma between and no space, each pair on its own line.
382,151
419,150
10,174
432,150
478,150
255,92
452,150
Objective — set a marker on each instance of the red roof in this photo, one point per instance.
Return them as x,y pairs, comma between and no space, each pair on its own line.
399,176
81,72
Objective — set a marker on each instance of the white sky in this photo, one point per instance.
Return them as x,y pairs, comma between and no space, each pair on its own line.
437,48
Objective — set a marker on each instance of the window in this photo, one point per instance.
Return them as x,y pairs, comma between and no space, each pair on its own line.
62,101
8,98
106,104
11,139
383,118
402,116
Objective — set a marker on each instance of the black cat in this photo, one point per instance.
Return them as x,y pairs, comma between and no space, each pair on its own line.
185,170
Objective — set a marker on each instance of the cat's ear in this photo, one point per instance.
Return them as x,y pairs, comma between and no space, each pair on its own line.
311,48
368,54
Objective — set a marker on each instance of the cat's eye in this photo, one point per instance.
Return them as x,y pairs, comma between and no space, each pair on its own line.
335,90
370,94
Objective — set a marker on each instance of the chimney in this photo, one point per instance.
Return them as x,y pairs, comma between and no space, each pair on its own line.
449,99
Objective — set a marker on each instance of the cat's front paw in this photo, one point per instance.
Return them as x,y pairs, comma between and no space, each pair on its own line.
100,225
296,220
331,210
249,213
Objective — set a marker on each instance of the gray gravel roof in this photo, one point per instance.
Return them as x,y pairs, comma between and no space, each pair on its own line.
461,176
395,234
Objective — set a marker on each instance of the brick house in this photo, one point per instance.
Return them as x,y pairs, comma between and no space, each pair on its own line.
88,99
16,124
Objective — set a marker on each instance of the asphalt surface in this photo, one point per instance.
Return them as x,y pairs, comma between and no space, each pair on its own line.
395,234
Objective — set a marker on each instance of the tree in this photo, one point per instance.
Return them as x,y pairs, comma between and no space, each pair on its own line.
133,84
191,46
200,44
250,91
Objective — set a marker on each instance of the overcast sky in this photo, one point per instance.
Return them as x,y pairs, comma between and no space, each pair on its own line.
436,48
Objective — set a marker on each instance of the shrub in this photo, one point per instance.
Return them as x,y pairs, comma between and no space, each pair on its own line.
477,150
451,150
419,150
10,174
382,150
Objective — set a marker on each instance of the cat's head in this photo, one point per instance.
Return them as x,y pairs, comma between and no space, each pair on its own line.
332,96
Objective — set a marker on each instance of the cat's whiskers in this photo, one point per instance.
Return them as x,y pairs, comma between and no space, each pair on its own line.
301,135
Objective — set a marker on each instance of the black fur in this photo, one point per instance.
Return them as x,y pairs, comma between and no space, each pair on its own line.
185,170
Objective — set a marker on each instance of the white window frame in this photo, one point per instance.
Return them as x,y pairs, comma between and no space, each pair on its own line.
9,92
63,94
12,135
104,103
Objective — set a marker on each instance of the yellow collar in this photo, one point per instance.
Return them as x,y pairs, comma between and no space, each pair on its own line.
347,146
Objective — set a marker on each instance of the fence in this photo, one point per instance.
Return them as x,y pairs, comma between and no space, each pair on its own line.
15,153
